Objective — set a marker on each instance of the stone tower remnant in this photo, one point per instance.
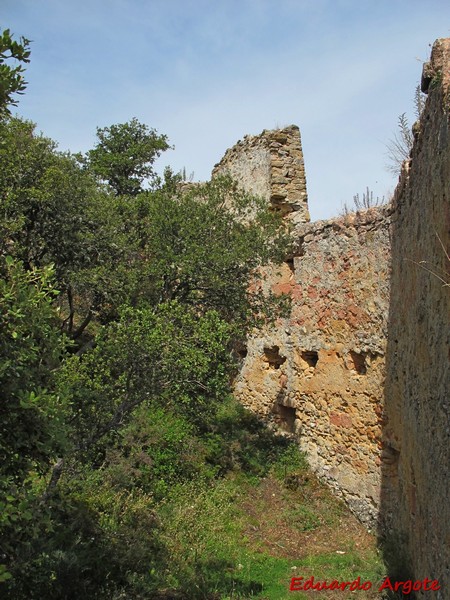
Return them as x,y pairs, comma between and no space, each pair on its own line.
319,373
270,165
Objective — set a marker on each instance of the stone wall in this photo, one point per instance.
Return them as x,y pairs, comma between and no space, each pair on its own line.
416,486
360,371
270,165
320,373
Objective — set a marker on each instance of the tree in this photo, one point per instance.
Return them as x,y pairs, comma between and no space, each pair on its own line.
173,342
32,423
166,355
11,78
164,278
45,196
53,212
125,154
202,249
30,348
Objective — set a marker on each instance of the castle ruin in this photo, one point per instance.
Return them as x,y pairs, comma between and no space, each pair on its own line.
359,372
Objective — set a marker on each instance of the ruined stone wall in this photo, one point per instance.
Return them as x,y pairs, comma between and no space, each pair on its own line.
416,486
360,371
320,373
270,165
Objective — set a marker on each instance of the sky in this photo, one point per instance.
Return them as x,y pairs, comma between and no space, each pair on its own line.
208,72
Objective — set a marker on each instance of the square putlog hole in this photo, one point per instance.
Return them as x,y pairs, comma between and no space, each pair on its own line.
273,357
311,357
359,362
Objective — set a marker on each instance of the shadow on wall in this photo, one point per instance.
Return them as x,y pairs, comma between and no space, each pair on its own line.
415,498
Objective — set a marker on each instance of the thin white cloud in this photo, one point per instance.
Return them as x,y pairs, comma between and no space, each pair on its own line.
206,73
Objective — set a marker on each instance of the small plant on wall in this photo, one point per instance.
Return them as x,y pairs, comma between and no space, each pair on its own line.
364,202
400,146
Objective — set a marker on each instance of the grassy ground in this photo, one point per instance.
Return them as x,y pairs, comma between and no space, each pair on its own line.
302,533
248,537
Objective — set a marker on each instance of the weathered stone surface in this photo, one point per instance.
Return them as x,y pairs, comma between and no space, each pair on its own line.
270,165
436,72
416,477
328,389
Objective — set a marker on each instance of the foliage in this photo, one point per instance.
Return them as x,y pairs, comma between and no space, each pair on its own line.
196,256
168,355
109,251
30,348
11,78
149,513
46,200
200,532
25,158
54,213
212,554
399,147
419,101
32,416
124,156
156,451
291,464
240,441
124,455
367,201
93,540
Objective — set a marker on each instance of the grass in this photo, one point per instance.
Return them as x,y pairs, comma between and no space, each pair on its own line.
268,578
301,533
246,538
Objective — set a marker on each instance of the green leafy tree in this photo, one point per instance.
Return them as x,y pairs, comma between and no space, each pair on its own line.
11,77
168,355
30,349
55,213
32,415
45,197
125,154
173,343
203,247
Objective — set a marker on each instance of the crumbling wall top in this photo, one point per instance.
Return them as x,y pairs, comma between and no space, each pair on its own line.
271,165
436,71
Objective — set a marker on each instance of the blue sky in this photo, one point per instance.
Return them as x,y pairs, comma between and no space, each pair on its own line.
207,72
